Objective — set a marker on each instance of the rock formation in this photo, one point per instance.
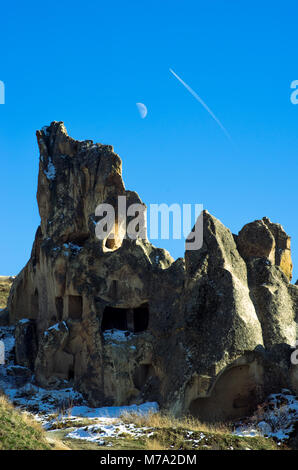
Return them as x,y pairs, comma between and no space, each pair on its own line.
210,334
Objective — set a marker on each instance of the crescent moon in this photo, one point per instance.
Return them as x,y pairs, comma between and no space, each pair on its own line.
142,110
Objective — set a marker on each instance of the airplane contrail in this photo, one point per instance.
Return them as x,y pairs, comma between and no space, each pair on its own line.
197,97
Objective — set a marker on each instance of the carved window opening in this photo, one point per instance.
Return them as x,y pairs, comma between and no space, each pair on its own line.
141,318
77,239
59,307
115,238
132,319
34,305
114,318
70,373
75,307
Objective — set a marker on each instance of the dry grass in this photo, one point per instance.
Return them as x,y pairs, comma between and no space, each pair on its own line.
167,433
154,444
19,431
56,444
188,433
166,421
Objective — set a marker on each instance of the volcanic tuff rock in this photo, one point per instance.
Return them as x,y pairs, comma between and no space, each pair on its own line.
262,239
123,322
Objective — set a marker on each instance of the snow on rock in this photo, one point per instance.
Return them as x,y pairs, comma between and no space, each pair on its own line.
40,400
7,336
55,327
22,392
18,384
51,170
71,246
24,321
117,335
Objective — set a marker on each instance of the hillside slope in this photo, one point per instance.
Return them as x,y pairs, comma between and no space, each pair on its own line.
20,432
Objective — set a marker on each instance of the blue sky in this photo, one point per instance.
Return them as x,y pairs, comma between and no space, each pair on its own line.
88,63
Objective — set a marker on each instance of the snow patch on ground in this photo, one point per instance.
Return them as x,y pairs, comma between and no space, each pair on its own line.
21,390
40,400
276,418
65,405
113,411
117,335
109,428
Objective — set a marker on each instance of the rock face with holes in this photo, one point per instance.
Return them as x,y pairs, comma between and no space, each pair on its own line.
121,321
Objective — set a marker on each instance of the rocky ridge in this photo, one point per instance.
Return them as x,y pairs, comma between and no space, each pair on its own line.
210,334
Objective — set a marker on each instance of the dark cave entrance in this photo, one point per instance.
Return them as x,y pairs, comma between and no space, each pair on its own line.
70,373
34,305
132,319
114,318
78,238
233,397
141,318
59,307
